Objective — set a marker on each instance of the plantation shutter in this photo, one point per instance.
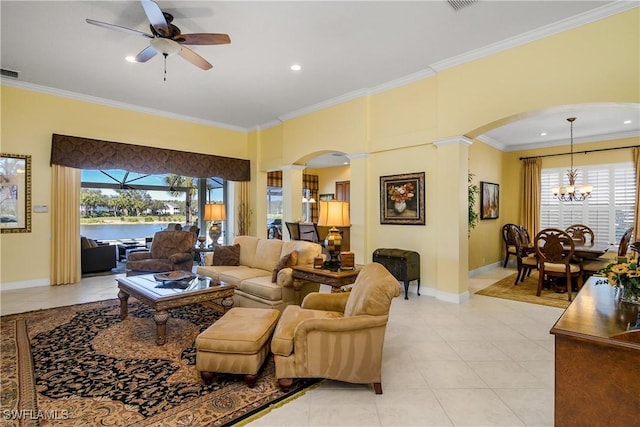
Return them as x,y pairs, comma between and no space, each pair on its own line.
609,212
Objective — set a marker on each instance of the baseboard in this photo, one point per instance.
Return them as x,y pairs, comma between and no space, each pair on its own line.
486,268
445,296
12,286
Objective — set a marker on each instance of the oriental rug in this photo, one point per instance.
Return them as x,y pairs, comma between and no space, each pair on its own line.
525,292
82,365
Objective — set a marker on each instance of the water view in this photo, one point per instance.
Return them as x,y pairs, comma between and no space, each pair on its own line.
120,231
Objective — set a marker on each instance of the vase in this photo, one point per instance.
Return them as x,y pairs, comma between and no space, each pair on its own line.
399,207
629,295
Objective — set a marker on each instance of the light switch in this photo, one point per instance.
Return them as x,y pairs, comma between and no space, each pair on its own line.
40,208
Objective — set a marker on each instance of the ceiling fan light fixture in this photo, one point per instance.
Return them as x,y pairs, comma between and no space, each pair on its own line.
166,46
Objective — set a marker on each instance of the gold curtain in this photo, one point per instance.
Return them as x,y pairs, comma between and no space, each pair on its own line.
65,225
636,220
531,195
244,213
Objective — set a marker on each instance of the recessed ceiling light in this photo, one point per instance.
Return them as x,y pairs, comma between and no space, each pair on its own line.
626,122
296,67
543,134
130,59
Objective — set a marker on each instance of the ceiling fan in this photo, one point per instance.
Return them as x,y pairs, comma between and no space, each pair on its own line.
166,38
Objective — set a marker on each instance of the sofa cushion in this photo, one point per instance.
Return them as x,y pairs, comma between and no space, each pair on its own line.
288,260
227,255
307,251
235,276
267,254
261,287
248,246
214,271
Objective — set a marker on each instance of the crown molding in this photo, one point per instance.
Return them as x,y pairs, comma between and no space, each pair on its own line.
454,140
539,33
564,141
121,105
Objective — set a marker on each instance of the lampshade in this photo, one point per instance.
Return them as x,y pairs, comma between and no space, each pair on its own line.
334,213
215,212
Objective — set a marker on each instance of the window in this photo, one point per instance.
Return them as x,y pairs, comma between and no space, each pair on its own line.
609,212
116,204
274,212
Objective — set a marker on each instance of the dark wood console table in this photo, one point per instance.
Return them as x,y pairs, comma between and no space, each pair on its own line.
335,279
597,360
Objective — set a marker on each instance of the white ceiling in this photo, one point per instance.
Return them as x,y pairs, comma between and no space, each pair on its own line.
346,49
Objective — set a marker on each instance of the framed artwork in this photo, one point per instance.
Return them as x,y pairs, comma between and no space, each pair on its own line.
326,197
15,193
489,200
402,199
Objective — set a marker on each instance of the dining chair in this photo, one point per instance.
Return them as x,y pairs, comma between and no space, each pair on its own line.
581,233
508,237
526,259
591,267
309,232
294,230
555,249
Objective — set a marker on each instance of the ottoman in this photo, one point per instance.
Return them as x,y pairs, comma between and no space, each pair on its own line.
238,343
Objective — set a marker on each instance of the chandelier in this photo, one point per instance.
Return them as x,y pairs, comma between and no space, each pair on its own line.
570,193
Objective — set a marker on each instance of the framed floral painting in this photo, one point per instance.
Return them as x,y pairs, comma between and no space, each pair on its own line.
402,199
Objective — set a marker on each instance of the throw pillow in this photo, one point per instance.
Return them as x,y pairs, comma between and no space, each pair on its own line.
288,260
227,255
84,243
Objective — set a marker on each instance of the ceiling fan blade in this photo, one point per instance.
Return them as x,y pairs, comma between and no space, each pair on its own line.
146,54
156,17
194,58
203,39
118,28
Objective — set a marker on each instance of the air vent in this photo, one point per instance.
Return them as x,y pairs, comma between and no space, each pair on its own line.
459,4
9,73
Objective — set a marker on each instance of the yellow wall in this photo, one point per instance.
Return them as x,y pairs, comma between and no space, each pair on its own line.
598,62
28,120
327,177
385,133
485,241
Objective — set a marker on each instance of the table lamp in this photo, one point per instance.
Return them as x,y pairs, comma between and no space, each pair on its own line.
333,214
215,212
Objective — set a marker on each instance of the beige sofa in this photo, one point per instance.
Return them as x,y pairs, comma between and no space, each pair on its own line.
253,276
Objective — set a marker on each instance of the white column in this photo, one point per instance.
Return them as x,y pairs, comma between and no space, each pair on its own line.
292,192
452,283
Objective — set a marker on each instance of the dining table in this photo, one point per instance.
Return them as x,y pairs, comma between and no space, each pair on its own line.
590,250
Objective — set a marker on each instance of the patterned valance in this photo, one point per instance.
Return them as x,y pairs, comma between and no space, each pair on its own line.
85,153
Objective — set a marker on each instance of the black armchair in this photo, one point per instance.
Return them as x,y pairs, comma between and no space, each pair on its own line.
95,257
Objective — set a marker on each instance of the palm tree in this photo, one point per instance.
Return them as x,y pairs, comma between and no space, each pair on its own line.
179,185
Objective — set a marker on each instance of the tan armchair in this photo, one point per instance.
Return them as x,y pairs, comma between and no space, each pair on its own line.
337,336
170,250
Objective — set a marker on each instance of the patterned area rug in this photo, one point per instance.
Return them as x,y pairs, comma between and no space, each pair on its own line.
83,366
525,292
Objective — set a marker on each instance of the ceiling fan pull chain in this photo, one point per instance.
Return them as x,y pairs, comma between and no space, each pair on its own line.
165,66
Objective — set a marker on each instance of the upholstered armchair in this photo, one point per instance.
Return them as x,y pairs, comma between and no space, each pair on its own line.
170,250
338,336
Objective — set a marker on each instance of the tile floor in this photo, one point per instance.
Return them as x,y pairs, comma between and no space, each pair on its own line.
486,362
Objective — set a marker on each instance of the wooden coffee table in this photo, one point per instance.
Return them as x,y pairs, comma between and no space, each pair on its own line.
161,296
